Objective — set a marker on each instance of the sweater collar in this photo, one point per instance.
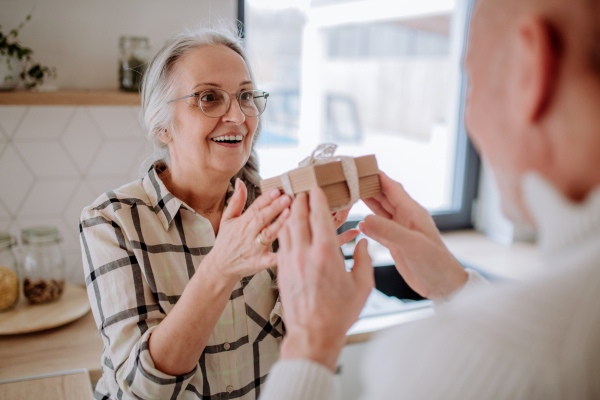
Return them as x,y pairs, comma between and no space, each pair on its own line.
561,224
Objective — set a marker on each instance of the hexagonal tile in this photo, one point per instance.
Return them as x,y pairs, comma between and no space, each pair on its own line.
142,162
98,186
82,197
47,160
115,158
16,180
44,122
10,116
69,234
117,122
48,198
3,211
74,267
82,138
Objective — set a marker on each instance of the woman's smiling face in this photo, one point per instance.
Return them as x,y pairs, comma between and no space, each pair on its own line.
195,144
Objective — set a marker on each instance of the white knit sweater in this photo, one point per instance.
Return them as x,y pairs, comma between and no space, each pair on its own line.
534,340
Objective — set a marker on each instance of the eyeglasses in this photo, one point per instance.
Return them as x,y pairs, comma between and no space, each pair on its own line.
215,103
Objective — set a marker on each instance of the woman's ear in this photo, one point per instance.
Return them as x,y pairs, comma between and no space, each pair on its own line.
165,137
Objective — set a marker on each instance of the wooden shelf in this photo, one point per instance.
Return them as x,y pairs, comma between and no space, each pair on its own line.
70,98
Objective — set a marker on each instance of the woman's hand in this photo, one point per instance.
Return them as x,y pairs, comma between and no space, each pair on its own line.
239,251
339,217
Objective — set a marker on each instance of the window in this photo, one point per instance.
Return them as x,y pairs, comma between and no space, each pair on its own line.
376,77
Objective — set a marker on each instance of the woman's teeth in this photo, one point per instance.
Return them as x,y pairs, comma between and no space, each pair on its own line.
228,138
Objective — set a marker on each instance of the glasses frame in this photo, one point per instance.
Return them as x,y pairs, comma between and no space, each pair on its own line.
237,96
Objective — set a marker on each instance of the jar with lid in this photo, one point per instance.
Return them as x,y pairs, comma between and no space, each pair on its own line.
9,276
43,264
132,63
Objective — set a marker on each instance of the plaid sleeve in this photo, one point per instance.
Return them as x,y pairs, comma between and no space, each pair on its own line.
125,310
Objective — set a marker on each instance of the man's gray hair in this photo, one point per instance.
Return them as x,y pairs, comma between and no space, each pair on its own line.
158,87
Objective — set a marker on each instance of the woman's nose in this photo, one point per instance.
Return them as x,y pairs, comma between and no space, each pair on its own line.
234,114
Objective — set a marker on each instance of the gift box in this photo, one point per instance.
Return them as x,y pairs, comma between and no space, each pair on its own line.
343,179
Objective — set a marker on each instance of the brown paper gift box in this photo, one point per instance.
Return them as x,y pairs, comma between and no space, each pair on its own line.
330,177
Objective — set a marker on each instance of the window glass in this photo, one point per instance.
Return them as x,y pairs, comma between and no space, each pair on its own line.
373,76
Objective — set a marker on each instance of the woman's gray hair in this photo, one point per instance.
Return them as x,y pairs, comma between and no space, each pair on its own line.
158,87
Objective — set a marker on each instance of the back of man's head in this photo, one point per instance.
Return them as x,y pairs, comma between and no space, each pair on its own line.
534,93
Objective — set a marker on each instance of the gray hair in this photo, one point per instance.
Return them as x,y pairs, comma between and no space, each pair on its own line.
158,87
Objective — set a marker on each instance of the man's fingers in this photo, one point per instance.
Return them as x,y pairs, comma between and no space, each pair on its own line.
347,236
298,224
236,203
362,271
320,220
285,241
377,208
340,217
388,232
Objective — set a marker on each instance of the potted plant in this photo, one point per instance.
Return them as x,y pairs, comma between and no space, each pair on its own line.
16,62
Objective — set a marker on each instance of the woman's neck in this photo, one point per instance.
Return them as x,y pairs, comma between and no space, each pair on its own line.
203,191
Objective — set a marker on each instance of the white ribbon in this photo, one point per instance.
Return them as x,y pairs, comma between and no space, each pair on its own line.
323,154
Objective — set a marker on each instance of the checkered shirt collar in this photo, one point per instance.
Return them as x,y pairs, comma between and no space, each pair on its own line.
165,204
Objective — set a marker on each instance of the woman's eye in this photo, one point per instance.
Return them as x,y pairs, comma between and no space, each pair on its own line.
246,96
210,97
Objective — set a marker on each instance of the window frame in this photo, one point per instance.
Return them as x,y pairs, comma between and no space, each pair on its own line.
467,165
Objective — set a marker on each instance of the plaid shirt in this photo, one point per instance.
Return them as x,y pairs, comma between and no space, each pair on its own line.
141,246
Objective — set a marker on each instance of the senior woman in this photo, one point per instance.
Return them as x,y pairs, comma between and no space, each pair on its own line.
178,267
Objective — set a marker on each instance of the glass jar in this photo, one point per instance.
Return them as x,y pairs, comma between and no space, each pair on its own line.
132,64
43,264
9,276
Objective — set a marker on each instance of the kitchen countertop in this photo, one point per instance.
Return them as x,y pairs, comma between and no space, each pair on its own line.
78,344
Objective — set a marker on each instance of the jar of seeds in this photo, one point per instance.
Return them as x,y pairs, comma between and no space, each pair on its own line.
9,276
43,264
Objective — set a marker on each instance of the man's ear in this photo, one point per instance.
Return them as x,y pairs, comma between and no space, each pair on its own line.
538,59
165,137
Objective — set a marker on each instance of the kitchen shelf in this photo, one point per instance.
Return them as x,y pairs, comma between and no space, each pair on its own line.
70,98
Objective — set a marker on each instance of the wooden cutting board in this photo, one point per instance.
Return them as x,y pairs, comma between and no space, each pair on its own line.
26,318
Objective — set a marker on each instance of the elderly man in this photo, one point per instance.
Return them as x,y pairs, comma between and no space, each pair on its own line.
534,113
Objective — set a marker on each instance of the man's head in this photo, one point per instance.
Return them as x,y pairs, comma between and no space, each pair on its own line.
534,93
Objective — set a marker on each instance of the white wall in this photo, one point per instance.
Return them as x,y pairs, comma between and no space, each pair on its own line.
81,37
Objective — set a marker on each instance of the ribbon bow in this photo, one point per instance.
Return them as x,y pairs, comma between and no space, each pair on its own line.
323,154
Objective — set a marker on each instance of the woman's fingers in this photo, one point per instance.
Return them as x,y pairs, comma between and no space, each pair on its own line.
269,234
347,236
261,218
340,217
265,199
267,261
236,203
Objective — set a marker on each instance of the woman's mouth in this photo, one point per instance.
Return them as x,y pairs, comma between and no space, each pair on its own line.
228,139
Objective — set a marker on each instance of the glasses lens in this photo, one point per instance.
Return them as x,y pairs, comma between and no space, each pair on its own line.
213,102
253,102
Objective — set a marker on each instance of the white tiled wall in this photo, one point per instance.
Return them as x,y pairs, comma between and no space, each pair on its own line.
55,160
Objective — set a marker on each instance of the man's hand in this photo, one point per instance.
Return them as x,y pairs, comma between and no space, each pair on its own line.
320,298
408,231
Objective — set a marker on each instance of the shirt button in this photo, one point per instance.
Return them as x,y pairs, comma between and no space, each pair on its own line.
226,346
229,389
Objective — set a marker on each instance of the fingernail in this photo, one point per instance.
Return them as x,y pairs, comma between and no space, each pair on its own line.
274,193
285,213
237,183
285,200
